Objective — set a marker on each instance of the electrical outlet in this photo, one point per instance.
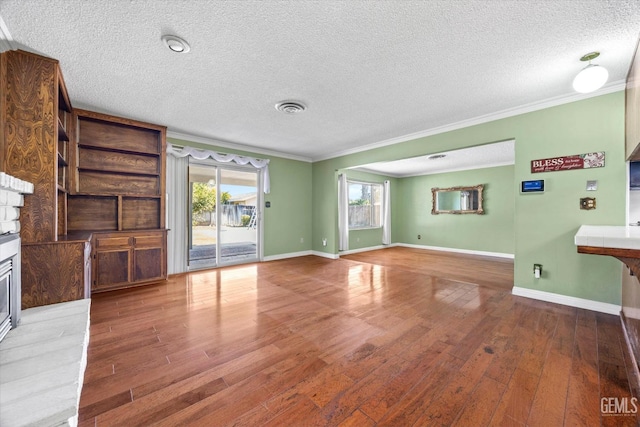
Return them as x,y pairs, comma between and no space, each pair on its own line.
419,236
302,240
324,241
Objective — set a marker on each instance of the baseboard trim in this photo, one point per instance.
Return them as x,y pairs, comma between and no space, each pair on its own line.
587,304
325,255
460,251
625,332
367,249
287,255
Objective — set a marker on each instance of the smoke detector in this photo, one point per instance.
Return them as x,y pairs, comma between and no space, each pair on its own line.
290,107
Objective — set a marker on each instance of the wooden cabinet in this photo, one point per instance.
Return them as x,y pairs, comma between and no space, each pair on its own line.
35,129
31,138
119,172
117,189
93,174
55,272
128,258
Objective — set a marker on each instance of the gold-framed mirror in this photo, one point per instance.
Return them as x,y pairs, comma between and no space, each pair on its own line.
457,200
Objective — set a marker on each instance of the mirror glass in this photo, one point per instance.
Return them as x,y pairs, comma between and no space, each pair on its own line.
457,200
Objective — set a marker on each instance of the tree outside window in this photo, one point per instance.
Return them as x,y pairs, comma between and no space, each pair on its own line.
204,199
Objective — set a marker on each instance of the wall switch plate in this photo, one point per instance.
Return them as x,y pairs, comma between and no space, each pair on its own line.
592,185
587,203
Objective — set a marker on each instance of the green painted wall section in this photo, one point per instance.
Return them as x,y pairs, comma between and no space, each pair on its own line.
544,225
491,232
288,220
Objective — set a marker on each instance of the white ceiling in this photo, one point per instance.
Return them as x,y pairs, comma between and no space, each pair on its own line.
480,156
370,72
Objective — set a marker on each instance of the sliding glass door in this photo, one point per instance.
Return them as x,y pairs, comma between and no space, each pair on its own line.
224,215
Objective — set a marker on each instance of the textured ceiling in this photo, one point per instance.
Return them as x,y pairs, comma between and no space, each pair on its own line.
370,72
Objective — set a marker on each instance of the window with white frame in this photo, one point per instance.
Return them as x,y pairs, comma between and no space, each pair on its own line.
365,205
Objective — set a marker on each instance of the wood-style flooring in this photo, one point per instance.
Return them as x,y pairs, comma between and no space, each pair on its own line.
396,337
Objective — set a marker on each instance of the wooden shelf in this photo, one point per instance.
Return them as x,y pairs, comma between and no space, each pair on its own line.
62,132
133,196
152,175
117,150
62,161
61,189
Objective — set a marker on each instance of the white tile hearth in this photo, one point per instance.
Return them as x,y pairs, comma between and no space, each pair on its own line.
42,365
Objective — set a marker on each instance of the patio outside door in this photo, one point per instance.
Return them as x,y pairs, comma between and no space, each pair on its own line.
224,226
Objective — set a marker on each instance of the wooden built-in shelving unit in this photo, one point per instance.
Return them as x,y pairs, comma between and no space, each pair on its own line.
97,178
117,188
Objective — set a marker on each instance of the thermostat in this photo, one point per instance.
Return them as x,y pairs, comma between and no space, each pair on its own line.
535,186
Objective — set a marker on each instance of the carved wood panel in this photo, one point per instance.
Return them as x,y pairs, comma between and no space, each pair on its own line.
53,273
30,132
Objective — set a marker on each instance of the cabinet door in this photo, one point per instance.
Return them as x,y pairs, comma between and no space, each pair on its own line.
148,265
148,256
112,267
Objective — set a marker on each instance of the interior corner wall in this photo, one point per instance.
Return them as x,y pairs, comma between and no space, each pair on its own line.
491,232
544,224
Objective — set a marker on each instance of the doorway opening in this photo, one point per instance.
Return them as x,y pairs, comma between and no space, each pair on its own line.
224,215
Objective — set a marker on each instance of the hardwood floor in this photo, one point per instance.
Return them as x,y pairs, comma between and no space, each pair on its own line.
397,337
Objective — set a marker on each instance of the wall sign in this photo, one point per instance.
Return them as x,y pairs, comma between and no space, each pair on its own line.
565,163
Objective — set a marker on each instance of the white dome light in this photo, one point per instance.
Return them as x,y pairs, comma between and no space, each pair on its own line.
592,77
176,44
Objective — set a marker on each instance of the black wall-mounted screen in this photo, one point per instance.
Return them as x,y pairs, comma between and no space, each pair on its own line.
536,186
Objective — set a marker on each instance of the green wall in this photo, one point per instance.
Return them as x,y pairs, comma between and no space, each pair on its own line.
544,224
289,218
491,232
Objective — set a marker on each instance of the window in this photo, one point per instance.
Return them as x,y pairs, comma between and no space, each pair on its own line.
365,205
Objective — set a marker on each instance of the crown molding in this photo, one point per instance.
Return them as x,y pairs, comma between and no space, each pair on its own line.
232,145
522,109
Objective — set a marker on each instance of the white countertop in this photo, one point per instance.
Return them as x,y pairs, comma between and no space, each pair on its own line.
608,236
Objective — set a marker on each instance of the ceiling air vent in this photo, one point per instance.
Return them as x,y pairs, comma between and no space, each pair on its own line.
437,156
290,107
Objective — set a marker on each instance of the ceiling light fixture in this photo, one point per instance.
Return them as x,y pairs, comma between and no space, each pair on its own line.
592,77
290,107
176,44
437,156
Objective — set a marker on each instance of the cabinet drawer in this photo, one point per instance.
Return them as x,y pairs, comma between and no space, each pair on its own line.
148,241
112,242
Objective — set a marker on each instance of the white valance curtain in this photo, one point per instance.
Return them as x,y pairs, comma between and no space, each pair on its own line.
262,164
386,214
343,212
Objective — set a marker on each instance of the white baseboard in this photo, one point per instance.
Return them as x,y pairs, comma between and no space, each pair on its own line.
460,251
587,304
325,255
288,255
367,249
